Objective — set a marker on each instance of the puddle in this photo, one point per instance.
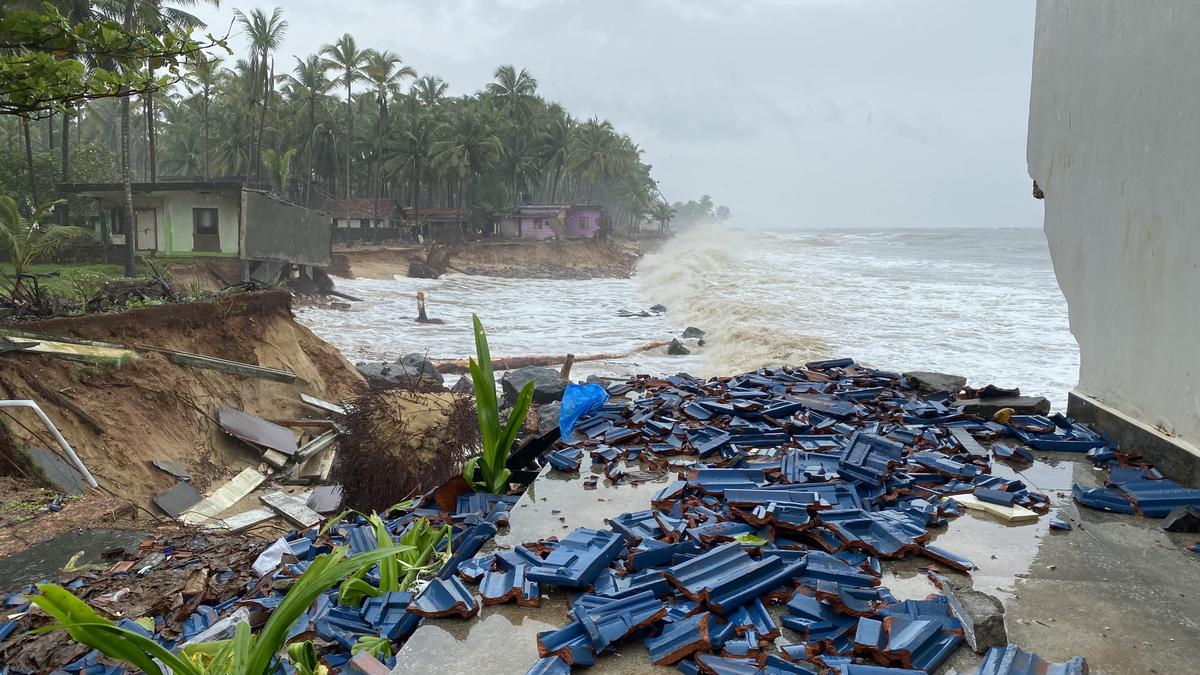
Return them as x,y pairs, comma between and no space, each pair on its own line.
45,560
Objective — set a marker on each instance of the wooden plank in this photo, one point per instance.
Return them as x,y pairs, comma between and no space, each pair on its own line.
319,404
304,424
291,508
244,521
224,365
968,442
224,497
275,458
1010,514
116,356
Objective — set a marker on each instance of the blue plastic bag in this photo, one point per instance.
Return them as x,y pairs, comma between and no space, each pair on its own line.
579,400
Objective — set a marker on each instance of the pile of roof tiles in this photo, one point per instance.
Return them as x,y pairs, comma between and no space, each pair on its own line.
805,479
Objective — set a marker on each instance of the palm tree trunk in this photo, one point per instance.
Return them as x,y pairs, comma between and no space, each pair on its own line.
33,187
151,135
349,131
50,132
262,114
63,212
206,99
126,169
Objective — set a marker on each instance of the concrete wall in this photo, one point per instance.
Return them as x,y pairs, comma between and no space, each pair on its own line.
1114,142
285,232
175,220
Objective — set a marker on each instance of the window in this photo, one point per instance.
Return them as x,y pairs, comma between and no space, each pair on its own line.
117,219
204,222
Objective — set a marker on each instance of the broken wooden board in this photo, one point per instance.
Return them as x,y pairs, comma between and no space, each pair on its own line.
223,365
314,402
257,431
224,497
291,508
1010,514
275,458
244,521
74,351
317,467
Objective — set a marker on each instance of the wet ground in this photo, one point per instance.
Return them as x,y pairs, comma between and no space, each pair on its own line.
44,561
1115,589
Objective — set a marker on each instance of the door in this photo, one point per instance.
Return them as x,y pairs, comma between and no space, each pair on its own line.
147,230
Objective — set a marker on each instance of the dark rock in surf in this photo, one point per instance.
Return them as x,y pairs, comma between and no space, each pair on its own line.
547,388
676,348
661,309
691,332
930,382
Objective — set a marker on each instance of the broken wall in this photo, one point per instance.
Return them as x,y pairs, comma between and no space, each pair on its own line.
284,232
1113,128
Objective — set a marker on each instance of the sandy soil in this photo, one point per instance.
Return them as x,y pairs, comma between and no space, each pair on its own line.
154,409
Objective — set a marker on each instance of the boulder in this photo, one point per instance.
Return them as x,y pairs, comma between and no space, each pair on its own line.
548,386
930,383
659,308
988,407
547,417
411,370
692,332
676,348
464,385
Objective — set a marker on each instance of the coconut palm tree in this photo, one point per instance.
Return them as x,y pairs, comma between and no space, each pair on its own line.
663,213
555,143
593,152
467,148
202,77
384,71
429,91
513,90
307,87
265,35
345,58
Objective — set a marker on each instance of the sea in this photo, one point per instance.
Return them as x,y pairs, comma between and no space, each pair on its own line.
982,303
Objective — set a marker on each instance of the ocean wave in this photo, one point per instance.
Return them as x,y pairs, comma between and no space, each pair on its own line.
706,279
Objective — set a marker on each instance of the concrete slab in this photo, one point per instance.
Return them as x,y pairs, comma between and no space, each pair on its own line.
56,470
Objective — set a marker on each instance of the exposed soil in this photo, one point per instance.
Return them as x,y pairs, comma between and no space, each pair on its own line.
577,258
151,408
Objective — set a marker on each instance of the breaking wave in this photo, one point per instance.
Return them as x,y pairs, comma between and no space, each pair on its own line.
709,277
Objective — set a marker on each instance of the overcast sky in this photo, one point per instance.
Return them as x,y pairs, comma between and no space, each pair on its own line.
795,113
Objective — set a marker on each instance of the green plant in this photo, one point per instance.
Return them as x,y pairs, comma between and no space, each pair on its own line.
304,657
379,647
497,441
24,240
244,654
420,540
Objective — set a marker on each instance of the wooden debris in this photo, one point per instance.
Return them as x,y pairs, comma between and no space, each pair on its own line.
224,497
291,508
223,365
1011,514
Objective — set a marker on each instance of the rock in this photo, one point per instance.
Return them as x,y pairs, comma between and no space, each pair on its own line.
596,379
464,385
981,615
411,370
676,348
658,308
547,417
548,386
928,382
1183,519
692,332
988,407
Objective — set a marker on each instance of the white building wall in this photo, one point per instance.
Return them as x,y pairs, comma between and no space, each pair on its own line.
1114,142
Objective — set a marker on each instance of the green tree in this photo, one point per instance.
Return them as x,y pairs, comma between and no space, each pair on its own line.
265,35
345,58
25,239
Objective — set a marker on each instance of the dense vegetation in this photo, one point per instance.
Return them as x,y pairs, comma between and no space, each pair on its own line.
345,121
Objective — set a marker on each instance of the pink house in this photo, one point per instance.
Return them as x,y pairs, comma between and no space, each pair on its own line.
546,221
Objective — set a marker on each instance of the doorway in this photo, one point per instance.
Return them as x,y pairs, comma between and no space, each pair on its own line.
147,230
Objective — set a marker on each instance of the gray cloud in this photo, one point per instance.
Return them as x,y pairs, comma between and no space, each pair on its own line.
857,113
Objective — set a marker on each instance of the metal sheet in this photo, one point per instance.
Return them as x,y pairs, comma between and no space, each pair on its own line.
257,431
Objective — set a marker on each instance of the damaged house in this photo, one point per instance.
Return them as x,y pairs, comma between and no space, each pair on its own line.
259,235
